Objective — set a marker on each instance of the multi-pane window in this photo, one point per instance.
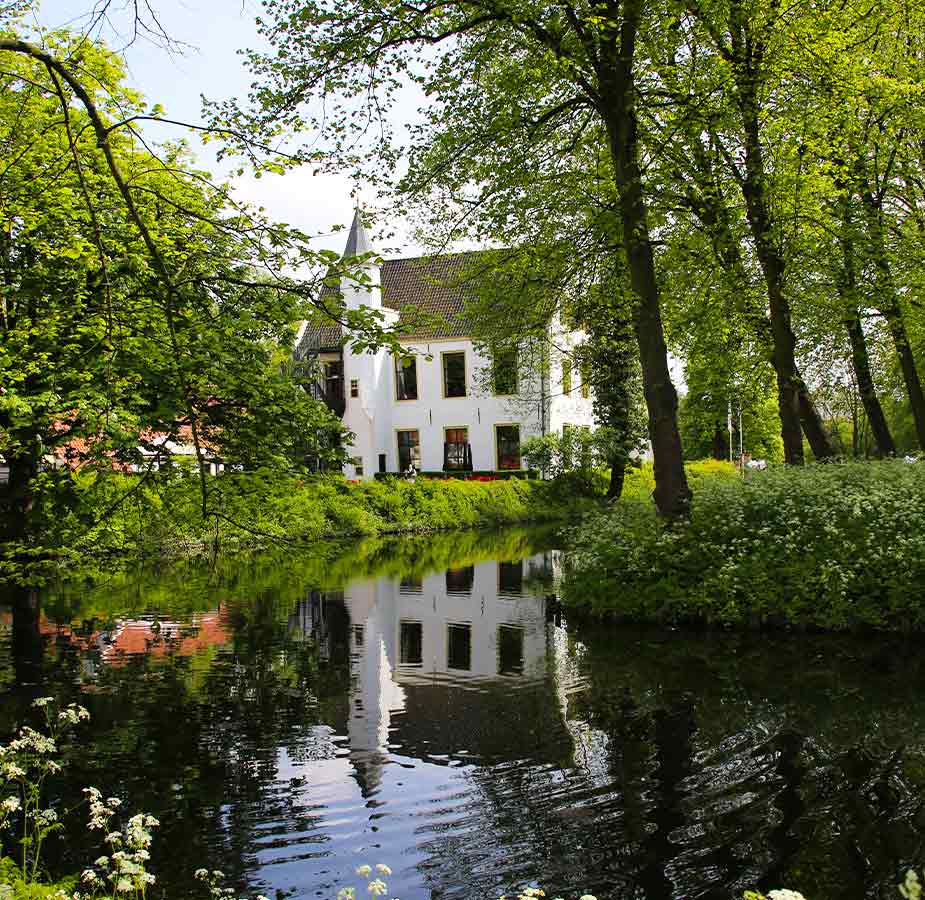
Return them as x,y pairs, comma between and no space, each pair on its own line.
354,387
568,441
510,650
511,577
459,647
357,464
585,380
411,644
457,454
454,374
504,372
406,377
333,379
507,441
409,450
566,375
459,581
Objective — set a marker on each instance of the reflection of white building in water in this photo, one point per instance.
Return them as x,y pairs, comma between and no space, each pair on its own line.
455,627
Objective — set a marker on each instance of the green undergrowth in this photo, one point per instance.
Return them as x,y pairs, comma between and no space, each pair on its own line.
114,516
834,546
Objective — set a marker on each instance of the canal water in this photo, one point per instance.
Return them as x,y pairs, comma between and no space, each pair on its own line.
426,704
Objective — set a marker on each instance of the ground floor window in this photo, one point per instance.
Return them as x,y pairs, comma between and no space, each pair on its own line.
411,642
357,464
457,453
511,577
409,450
459,647
507,442
459,581
510,650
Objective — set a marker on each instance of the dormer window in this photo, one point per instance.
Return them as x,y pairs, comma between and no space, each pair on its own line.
406,378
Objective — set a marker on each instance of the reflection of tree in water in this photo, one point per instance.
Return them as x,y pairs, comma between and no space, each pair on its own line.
706,763
757,761
195,740
711,766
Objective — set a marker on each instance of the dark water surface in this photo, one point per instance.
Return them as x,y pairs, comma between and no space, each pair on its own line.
422,703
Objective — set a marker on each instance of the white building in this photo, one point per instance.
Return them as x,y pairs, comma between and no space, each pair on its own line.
444,406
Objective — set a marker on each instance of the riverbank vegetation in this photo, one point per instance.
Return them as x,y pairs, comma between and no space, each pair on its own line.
119,517
833,546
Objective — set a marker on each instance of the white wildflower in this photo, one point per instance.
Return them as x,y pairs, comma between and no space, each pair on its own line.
784,894
383,869
123,885
202,874
42,701
911,888
377,886
89,876
364,871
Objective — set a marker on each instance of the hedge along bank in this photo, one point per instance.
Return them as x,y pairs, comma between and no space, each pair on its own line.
115,514
832,546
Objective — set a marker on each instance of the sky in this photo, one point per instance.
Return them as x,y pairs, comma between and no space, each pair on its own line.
214,31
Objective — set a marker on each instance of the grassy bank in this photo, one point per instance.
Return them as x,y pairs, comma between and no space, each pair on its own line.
117,516
834,546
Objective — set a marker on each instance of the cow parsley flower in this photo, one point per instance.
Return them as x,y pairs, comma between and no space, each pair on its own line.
364,871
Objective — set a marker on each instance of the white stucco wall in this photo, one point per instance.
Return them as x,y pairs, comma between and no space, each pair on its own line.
376,415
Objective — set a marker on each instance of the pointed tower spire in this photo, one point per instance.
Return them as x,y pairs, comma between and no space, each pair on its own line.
358,242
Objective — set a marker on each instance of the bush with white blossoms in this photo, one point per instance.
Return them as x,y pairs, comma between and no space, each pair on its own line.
835,546
25,765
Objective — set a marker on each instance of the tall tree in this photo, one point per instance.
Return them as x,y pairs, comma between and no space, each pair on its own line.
136,296
588,56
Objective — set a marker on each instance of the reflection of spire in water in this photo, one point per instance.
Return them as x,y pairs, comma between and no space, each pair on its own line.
374,695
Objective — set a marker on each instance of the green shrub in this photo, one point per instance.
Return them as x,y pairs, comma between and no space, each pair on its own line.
832,546
121,515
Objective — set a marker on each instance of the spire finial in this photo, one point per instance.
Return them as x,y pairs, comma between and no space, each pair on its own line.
358,242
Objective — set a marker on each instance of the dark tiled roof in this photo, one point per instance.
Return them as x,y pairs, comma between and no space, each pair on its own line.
429,292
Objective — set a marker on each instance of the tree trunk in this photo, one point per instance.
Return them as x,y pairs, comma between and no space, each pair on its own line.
20,497
793,400
709,208
720,442
888,305
617,476
672,494
860,358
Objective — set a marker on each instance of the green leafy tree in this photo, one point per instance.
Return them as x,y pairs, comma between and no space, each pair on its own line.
139,304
